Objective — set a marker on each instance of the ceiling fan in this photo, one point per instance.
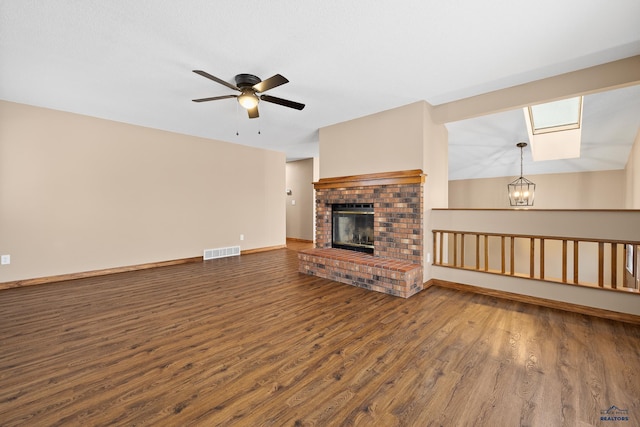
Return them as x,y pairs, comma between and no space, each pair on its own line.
251,89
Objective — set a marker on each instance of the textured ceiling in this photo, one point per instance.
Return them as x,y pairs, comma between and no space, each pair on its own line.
131,61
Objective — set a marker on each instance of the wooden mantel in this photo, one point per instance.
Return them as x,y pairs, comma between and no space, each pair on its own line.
414,176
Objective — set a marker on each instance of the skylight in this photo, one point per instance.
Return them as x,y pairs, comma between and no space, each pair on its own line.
556,116
554,129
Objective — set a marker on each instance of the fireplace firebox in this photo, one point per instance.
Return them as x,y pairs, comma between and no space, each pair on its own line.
352,227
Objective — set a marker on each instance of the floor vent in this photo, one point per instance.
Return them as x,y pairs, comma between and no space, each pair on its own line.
221,252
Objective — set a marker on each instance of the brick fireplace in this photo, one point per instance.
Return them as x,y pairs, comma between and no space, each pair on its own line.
396,265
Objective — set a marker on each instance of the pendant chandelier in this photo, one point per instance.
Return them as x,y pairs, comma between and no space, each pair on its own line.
521,191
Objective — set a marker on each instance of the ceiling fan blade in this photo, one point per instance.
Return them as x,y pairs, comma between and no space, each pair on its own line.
283,102
253,112
214,98
270,83
215,79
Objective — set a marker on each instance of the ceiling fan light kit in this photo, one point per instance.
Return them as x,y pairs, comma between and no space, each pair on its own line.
248,100
250,87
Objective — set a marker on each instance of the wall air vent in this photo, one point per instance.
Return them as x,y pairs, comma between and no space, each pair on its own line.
221,252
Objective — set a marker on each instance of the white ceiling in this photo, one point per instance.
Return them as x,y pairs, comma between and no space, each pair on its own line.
132,61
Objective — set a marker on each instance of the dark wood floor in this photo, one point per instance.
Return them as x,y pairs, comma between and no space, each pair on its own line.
248,341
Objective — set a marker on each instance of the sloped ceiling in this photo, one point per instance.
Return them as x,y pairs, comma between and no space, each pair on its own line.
485,147
132,61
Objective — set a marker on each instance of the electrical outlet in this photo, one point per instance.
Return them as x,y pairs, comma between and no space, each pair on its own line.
5,259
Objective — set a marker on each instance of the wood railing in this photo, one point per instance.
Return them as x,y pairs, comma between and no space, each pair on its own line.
598,263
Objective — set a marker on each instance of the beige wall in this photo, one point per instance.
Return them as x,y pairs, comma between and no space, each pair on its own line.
80,194
584,190
388,141
436,167
300,216
632,176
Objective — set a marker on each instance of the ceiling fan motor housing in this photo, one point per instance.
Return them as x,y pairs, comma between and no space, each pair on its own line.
246,80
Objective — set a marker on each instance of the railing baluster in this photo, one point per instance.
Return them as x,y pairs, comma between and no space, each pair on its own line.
575,261
486,253
502,254
624,268
614,266
512,253
462,250
601,264
435,241
455,249
477,252
532,252
541,259
564,261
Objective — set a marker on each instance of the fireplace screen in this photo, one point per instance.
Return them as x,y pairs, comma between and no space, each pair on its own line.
353,227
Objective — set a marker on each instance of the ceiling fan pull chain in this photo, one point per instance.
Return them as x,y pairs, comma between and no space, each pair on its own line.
237,126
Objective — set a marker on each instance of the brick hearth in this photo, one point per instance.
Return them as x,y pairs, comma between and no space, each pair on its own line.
396,265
